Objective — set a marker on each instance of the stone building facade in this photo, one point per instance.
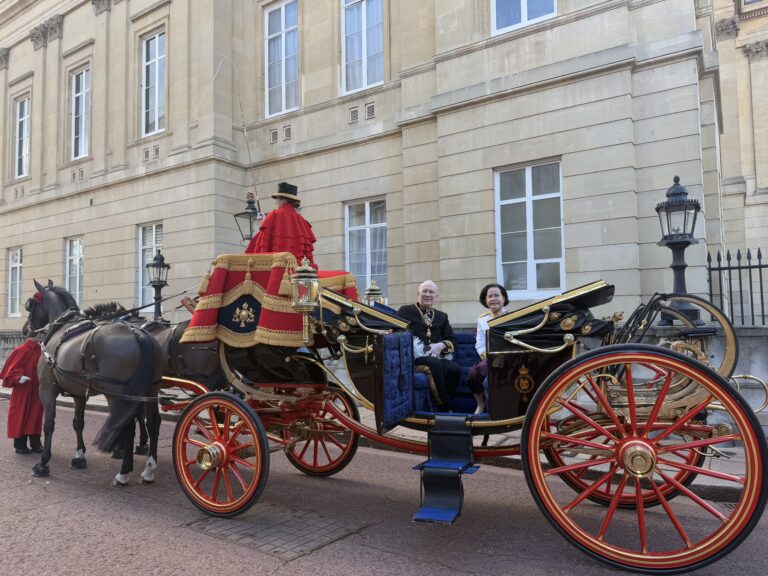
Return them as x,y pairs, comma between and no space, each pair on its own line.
466,141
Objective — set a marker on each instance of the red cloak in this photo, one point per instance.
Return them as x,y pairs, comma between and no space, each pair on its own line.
284,230
25,413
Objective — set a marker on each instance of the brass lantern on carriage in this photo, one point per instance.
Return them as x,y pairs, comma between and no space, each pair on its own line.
305,293
373,294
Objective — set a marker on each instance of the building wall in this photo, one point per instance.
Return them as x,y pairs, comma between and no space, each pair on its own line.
623,93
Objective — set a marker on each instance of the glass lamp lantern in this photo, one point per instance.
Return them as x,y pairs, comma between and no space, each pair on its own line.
248,220
305,293
373,294
157,270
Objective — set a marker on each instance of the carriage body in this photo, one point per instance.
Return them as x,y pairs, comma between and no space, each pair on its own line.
626,426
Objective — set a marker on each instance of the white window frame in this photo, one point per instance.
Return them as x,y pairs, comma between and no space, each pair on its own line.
21,142
367,226
282,34
14,290
81,111
523,17
143,282
75,260
531,292
364,29
156,95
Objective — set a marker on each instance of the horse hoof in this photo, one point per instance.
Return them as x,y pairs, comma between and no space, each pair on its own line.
41,470
147,481
118,484
141,449
78,463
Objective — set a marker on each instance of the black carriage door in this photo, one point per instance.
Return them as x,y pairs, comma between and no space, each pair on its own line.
393,371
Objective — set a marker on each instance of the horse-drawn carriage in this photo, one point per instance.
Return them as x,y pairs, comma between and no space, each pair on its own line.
613,432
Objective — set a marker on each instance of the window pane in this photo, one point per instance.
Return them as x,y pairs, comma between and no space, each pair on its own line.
507,13
545,179
546,213
512,184
378,212
357,215
513,217
514,247
291,14
538,8
378,250
515,276
381,282
273,22
548,276
161,94
547,244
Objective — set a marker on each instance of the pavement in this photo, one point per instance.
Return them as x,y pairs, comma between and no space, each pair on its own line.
732,459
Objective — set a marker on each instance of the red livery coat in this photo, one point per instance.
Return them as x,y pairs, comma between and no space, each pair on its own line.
25,413
284,230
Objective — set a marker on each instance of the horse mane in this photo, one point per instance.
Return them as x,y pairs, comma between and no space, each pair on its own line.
65,296
103,310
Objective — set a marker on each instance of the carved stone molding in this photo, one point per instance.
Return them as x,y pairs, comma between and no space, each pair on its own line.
756,50
100,6
4,55
38,36
54,26
726,28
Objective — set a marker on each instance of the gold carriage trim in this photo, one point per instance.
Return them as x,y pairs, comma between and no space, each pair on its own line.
278,338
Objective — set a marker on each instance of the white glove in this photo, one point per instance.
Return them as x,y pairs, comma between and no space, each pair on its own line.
23,379
437,349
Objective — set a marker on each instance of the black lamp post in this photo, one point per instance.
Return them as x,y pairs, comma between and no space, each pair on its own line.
677,217
158,275
248,220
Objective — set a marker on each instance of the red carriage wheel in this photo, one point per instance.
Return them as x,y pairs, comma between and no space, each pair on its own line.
321,445
220,454
645,445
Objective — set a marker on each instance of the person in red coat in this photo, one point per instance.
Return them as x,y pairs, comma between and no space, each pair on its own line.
284,229
25,413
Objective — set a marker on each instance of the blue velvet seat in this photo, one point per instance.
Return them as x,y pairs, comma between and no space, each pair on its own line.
466,356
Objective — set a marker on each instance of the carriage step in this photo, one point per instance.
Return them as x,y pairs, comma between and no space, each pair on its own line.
450,456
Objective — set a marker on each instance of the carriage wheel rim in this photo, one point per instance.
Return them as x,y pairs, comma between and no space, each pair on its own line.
218,457
707,547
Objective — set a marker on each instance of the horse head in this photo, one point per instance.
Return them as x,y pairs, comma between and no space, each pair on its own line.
47,304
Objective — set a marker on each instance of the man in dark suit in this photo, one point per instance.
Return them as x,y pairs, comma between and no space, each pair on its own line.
434,341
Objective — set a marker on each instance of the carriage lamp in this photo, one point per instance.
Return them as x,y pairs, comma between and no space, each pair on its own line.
305,293
373,294
248,220
158,276
677,217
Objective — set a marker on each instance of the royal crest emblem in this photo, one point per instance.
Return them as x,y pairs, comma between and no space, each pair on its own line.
524,382
244,315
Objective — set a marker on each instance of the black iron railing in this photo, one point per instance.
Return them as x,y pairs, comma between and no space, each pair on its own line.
738,287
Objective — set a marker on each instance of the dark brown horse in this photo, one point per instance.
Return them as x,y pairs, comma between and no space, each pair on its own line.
83,357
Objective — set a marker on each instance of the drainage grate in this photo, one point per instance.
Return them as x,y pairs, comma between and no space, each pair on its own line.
278,531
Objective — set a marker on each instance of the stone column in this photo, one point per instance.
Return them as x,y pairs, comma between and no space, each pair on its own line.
5,55
757,54
39,39
119,130
179,45
101,86
52,103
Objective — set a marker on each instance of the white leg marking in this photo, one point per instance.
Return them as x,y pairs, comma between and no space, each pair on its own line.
79,454
120,480
148,476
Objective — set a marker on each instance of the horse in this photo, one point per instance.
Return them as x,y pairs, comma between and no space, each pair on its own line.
82,357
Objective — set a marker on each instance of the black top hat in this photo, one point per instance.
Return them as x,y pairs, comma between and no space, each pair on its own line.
289,191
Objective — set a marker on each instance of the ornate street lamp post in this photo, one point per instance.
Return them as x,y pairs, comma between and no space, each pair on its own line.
158,275
248,220
677,217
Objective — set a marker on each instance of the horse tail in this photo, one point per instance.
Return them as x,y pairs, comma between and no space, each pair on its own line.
122,411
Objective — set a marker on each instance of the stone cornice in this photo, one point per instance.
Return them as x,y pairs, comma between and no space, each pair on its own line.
727,28
756,50
4,55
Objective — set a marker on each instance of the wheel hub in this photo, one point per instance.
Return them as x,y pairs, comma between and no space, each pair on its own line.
638,458
210,456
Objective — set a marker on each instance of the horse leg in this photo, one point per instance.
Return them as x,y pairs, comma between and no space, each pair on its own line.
78,423
48,399
153,431
126,441
141,447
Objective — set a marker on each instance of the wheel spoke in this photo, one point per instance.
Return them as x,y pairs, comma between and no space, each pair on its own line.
336,441
203,476
682,420
227,484
672,516
325,449
195,442
216,482
581,497
693,497
631,399
202,427
579,414
603,401
304,450
612,508
225,424
699,443
239,478
582,466
657,405
703,471
573,440
214,421
641,516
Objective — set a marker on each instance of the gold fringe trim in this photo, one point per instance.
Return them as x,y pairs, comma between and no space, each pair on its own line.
339,282
255,262
279,338
277,304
